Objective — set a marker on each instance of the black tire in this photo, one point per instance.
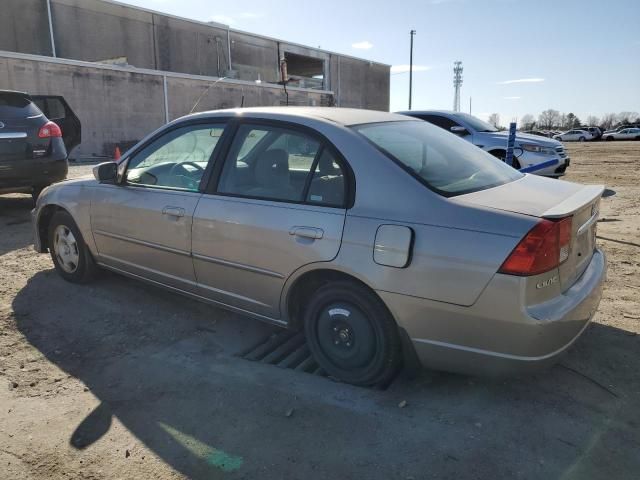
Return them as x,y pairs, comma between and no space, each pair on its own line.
609,139
352,335
78,253
581,139
499,154
502,156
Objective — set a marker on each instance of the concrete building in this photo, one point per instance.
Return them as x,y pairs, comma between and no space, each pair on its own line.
126,70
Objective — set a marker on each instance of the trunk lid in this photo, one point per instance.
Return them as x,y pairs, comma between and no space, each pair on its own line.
552,199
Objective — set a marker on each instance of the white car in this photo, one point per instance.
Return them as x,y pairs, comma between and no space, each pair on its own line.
574,135
624,134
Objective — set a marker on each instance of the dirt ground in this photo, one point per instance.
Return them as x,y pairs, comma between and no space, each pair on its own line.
119,380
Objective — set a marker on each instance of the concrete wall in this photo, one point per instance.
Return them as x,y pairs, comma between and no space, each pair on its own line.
24,27
113,106
120,105
95,30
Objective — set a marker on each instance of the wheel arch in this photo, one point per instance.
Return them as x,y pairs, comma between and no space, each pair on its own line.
304,282
307,280
45,215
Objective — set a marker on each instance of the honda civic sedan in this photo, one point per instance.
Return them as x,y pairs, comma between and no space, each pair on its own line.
381,236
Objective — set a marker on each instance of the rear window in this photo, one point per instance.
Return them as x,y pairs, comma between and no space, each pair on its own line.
439,159
14,105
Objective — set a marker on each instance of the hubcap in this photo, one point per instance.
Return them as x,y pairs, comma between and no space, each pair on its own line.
346,336
65,248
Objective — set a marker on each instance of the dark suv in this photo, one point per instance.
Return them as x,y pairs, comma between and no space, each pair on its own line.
33,148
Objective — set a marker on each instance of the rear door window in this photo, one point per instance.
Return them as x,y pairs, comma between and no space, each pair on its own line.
269,162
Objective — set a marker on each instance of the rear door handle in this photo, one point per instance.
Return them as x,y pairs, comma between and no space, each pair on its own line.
173,211
307,232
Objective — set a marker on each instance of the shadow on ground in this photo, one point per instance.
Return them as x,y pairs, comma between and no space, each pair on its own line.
166,368
15,218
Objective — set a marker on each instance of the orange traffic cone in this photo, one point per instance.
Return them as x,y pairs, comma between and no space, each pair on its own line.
117,154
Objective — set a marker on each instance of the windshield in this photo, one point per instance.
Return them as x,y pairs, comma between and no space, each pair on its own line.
476,123
445,163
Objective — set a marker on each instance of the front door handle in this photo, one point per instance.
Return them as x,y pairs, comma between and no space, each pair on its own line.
173,211
307,232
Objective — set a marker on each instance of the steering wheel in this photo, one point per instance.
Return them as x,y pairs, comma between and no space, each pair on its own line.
189,176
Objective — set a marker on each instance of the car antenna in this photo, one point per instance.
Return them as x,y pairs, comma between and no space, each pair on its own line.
204,93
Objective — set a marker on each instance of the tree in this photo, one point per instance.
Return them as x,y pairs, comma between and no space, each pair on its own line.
624,118
549,118
527,122
571,121
608,120
494,119
563,120
592,120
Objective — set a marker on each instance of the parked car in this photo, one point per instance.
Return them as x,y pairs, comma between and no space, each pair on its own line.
529,149
33,148
539,133
380,235
624,134
595,132
575,135
621,127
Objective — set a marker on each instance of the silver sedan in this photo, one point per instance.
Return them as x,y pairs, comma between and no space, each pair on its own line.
381,236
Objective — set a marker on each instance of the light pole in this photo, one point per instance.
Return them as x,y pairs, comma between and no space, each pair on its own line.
411,33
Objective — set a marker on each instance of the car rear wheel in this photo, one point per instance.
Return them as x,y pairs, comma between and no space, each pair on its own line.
609,139
69,253
581,139
352,335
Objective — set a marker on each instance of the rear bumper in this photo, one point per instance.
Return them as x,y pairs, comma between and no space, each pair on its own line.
21,175
497,336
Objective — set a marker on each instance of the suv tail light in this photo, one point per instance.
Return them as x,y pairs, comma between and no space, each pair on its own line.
50,130
544,248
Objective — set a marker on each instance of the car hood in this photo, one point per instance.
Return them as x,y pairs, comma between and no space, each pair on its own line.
534,195
522,138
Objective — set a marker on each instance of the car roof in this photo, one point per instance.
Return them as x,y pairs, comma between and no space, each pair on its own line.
342,116
426,112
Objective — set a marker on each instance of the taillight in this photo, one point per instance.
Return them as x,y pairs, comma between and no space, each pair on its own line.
50,130
544,248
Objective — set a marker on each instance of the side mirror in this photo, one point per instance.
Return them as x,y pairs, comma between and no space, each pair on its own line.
458,130
106,172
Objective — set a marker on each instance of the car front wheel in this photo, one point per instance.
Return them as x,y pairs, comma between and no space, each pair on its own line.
69,253
352,335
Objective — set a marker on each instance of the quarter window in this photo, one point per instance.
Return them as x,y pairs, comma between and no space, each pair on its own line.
177,159
281,164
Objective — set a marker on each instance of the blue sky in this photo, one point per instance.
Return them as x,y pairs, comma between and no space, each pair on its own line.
519,56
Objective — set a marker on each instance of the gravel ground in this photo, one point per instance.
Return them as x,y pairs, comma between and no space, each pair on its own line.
121,380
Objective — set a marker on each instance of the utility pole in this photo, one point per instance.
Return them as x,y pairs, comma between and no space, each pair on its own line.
469,105
411,33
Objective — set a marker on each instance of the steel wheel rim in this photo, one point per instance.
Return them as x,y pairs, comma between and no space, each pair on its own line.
345,336
65,247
